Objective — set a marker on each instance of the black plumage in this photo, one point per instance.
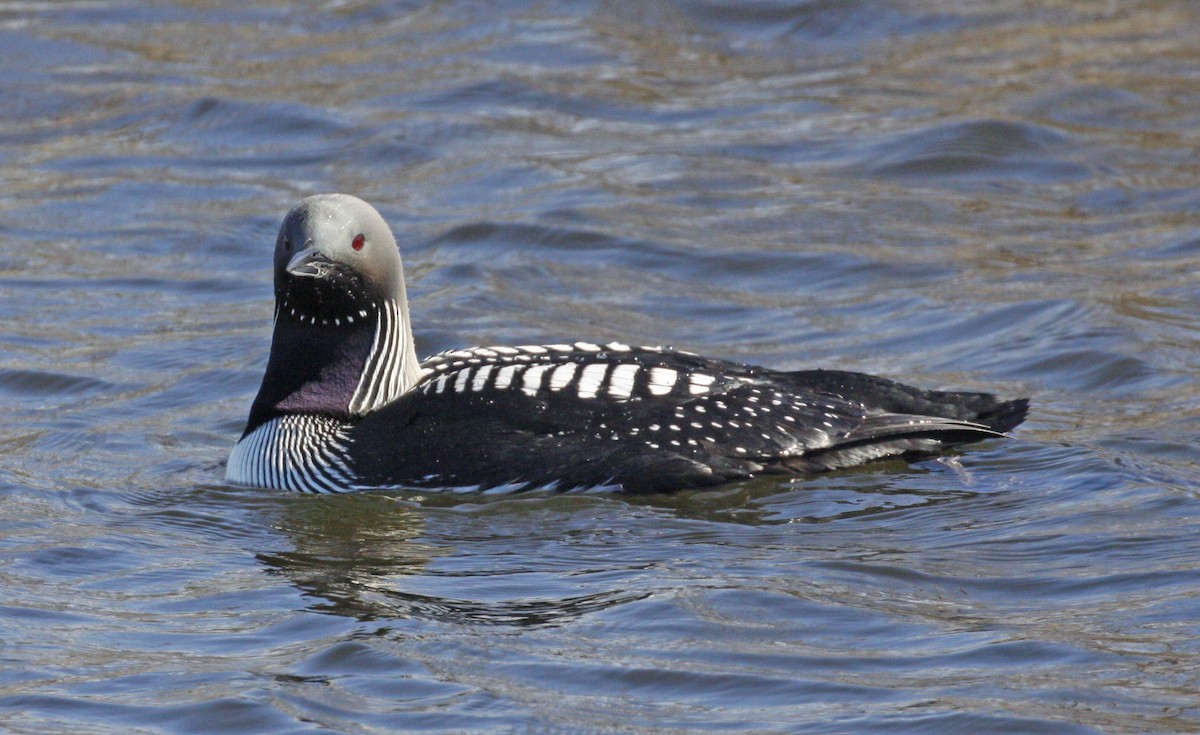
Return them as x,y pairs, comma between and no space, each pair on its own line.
749,422
345,405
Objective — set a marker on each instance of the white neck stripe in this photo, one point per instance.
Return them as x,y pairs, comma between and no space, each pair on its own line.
391,367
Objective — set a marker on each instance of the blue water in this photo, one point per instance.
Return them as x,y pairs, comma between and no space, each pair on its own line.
993,194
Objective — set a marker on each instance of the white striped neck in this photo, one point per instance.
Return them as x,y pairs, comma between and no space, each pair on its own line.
342,366
392,367
301,453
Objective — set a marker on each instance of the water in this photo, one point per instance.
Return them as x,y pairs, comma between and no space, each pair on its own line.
997,195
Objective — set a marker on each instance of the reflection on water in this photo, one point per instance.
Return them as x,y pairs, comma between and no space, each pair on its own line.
989,195
358,555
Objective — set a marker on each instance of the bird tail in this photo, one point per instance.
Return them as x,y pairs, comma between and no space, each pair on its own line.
896,398
1003,416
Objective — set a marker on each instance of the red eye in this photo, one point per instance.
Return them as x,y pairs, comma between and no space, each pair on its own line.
359,241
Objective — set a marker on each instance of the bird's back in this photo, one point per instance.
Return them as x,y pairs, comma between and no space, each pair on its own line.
584,415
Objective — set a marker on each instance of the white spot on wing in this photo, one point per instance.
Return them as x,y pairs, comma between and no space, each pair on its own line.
505,376
620,383
461,383
481,378
662,380
562,375
591,379
532,382
699,383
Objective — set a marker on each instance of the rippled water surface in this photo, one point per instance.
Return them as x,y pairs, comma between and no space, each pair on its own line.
996,195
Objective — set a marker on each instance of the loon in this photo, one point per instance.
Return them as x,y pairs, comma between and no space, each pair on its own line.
346,405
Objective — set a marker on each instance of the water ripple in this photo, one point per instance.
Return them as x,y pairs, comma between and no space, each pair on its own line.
994,196
978,150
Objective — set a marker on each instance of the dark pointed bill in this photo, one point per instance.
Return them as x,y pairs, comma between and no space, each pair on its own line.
309,263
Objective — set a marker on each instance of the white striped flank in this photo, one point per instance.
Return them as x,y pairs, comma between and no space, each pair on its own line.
294,452
392,367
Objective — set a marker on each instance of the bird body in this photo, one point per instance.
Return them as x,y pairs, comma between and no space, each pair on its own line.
345,404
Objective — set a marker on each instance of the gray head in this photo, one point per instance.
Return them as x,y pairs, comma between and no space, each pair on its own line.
343,344
335,253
